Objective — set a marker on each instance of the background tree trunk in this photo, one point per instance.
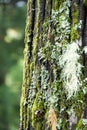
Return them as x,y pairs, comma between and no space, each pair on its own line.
37,33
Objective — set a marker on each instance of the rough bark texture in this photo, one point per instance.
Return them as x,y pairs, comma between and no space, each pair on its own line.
38,12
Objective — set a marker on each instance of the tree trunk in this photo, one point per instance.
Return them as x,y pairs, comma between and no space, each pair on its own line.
44,104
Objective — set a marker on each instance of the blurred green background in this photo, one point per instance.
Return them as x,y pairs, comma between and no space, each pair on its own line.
12,24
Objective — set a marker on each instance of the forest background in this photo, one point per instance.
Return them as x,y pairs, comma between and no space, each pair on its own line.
12,24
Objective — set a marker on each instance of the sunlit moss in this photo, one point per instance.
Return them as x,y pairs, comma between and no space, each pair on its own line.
75,20
38,112
35,46
85,2
57,4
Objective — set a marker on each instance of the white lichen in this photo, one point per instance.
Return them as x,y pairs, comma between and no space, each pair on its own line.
85,49
71,68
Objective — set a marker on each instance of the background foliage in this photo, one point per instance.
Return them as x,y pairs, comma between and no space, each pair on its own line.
12,24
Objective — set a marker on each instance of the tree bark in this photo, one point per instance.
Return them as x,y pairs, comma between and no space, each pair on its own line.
37,33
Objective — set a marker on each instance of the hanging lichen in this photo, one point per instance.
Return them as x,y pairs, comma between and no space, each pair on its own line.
71,69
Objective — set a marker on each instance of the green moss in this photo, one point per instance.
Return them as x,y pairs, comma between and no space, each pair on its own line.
85,2
39,126
75,21
80,124
74,34
31,68
57,4
38,112
36,38
35,46
22,106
